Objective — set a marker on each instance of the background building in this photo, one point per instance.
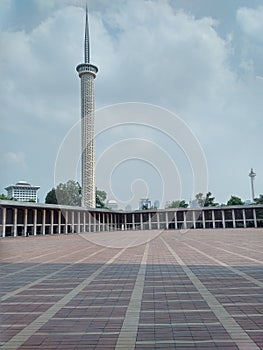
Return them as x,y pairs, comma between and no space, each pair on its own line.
22,191
145,203
112,204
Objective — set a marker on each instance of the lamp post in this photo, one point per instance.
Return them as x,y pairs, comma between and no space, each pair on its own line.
252,176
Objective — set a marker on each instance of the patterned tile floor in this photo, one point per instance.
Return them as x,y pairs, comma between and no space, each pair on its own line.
202,289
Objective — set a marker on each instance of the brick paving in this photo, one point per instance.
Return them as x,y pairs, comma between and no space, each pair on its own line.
202,289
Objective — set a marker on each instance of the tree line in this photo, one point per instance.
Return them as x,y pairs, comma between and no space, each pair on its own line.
69,193
208,200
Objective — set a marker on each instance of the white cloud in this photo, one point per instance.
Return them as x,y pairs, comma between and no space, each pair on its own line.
146,51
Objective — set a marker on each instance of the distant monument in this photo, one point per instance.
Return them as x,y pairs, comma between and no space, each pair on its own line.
252,176
87,73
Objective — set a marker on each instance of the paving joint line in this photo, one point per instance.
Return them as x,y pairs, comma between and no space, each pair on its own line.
235,331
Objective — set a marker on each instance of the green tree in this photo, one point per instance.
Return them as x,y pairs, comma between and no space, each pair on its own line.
235,201
51,197
205,201
100,198
259,200
6,198
68,193
177,204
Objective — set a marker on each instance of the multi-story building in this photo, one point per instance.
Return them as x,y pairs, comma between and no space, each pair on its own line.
22,191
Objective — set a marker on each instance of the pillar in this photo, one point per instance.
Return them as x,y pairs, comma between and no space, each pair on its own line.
166,220
133,222
175,220
194,219
185,224
223,219
52,222
203,218
59,222
72,221
25,221
150,221
15,222
43,221
158,220
66,222
35,223
255,218
213,219
141,221
233,218
78,222
3,221
244,218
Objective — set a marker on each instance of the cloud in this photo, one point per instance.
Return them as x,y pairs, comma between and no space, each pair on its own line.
146,51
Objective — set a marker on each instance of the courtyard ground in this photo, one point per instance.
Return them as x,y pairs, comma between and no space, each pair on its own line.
198,289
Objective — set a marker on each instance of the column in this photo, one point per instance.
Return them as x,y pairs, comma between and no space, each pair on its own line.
66,222
59,222
213,218
166,220
255,218
223,219
25,222
103,222
3,221
72,221
194,219
78,222
203,218
43,221
133,222
233,218
141,221
51,221
175,220
158,220
185,224
150,221
84,221
15,222
244,218
125,221
35,223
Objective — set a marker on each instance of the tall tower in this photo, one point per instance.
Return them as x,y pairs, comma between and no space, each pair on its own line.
87,73
252,176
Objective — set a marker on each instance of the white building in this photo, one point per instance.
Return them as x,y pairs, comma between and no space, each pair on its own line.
22,191
112,204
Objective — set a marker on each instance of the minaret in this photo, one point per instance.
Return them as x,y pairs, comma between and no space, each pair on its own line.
87,73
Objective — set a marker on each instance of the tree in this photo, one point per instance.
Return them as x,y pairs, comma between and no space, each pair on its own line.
51,197
235,201
205,201
178,204
68,193
259,200
100,198
6,198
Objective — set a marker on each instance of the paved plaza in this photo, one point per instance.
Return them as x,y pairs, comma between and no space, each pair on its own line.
198,289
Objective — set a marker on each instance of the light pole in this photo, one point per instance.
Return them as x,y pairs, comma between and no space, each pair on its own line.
252,176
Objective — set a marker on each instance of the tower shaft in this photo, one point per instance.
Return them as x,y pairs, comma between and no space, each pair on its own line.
87,73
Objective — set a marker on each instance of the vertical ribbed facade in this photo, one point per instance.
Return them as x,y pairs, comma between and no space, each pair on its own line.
87,73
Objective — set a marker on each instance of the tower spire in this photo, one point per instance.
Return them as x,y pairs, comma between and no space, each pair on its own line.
86,44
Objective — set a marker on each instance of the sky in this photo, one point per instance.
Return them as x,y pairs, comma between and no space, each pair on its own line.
178,96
